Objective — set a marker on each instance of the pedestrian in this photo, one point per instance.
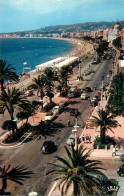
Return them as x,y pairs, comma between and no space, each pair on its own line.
83,138
68,123
106,97
89,138
114,151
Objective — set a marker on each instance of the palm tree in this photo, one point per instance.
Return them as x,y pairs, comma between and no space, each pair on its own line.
39,85
6,72
105,121
79,171
10,100
26,110
17,174
50,74
64,74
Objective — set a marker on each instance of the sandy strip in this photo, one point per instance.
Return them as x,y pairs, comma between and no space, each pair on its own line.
81,49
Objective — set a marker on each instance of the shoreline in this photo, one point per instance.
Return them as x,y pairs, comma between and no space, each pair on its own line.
81,49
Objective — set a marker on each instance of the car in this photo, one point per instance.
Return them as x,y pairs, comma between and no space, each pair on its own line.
74,112
122,157
86,73
91,70
48,147
84,96
110,72
120,170
55,110
98,97
87,89
94,102
71,140
63,104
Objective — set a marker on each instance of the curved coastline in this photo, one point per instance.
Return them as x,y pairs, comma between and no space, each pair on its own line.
81,49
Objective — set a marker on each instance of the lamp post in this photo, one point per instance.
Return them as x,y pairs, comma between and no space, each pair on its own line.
79,71
102,88
75,131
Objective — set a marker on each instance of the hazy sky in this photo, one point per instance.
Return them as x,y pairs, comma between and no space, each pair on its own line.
19,15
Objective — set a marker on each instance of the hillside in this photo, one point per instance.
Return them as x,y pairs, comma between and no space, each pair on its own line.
77,27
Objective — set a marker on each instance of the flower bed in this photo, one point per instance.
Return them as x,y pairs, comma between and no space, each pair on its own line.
108,142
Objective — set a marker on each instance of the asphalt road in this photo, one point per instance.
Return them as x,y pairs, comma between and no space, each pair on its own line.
29,155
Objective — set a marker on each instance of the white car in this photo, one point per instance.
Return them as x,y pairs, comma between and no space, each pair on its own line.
71,140
84,96
55,110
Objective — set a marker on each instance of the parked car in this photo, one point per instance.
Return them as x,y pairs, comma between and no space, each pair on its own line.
93,102
91,70
55,109
122,157
110,72
71,140
63,104
120,170
98,97
48,147
87,89
84,96
74,112
86,73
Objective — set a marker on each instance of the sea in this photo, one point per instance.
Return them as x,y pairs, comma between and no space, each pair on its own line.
33,51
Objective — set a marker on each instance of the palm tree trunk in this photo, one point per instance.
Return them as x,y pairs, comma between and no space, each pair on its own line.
2,87
50,99
76,191
102,135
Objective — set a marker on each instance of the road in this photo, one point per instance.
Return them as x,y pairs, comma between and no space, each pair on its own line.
29,154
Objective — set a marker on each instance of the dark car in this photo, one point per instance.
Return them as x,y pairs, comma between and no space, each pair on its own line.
98,97
74,112
122,157
87,89
110,72
48,147
120,170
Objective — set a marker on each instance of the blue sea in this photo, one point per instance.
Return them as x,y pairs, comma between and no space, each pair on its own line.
34,51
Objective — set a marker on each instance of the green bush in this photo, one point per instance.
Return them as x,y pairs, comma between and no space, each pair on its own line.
63,94
108,141
12,138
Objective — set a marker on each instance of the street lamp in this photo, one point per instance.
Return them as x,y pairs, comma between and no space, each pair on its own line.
75,131
102,88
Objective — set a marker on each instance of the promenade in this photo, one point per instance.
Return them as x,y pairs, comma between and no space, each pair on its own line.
118,134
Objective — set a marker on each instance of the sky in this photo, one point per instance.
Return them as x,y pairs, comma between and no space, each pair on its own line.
20,15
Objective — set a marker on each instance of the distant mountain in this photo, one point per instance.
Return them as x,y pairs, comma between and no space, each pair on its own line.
80,27
77,27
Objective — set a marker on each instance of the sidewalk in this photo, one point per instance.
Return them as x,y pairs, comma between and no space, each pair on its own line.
118,134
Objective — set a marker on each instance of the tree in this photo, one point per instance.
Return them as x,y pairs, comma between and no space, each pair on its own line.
79,171
9,125
10,100
50,74
105,121
16,174
64,74
39,85
27,109
6,72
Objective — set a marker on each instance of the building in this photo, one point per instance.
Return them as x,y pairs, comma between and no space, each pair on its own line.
122,38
